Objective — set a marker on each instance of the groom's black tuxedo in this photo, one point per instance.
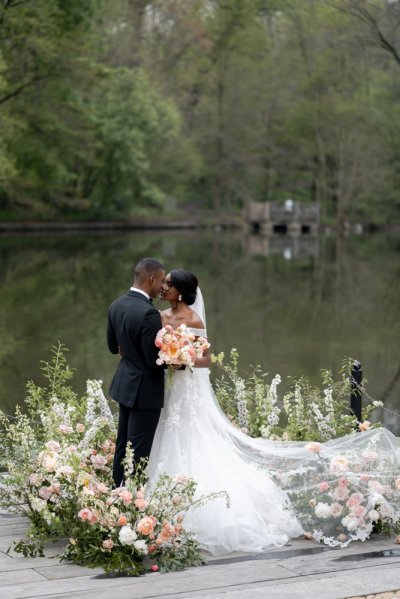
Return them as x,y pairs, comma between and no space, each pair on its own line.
138,384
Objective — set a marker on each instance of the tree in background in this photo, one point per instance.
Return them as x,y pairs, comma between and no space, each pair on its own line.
106,109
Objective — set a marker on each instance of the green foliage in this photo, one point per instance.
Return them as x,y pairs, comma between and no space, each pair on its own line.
106,109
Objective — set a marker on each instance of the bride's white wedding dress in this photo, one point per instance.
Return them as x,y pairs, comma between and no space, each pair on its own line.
335,488
195,438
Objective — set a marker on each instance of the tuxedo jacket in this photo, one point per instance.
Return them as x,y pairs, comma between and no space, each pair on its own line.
132,326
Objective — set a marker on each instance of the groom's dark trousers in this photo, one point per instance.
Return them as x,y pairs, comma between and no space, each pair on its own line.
138,384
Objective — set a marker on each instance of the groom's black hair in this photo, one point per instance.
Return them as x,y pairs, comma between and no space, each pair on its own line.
186,283
147,267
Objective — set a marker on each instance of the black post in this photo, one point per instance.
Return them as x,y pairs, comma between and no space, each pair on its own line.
356,395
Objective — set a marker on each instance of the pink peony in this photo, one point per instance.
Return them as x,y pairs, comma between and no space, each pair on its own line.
314,447
324,486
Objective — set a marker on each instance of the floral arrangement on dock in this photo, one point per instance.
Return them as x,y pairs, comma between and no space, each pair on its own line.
306,413
58,456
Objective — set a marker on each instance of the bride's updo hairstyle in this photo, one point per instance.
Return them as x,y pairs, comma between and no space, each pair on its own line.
186,283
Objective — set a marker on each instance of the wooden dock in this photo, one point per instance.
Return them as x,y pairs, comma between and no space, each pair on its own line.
300,570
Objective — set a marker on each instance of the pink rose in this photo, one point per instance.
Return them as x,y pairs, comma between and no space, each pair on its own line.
98,461
85,514
126,496
53,446
80,428
44,492
343,482
141,504
102,488
108,544
324,486
152,549
154,568
336,509
340,493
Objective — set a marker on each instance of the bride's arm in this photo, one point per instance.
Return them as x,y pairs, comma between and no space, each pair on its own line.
204,361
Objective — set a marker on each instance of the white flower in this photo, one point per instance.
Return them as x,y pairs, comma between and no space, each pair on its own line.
49,461
373,515
127,535
64,471
141,546
322,510
350,523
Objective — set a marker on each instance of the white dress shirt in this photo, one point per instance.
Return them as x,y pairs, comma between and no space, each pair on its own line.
140,291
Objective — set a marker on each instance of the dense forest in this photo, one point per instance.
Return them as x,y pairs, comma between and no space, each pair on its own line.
110,108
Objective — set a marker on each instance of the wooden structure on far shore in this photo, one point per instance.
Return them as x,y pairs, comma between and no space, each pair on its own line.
293,218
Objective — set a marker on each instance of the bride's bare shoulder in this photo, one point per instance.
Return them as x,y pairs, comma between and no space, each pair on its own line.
195,322
165,316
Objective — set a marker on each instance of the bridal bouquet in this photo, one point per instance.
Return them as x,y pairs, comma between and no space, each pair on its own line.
178,347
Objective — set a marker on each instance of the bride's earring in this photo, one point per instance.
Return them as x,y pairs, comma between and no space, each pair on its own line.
179,298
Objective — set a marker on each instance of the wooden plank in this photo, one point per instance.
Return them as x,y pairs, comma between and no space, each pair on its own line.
16,578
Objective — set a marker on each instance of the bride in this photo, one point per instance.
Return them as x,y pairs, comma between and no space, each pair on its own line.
195,438
339,490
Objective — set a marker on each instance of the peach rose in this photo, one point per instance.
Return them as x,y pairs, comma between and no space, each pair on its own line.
122,520
180,478
145,526
80,428
164,535
314,447
152,548
364,426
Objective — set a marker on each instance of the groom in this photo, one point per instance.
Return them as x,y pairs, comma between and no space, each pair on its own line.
138,384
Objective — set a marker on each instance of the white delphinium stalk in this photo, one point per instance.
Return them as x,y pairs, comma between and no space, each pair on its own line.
240,392
271,407
95,391
324,428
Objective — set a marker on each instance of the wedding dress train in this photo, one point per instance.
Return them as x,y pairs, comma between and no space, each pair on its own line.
335,492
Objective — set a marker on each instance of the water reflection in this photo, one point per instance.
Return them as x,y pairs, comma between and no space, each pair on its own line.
333,297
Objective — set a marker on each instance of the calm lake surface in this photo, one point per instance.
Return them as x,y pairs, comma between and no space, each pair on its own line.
293,307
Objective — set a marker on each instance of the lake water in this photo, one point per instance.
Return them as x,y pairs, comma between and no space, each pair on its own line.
292,306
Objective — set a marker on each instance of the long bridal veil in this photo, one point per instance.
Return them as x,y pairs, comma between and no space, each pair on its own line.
335,492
